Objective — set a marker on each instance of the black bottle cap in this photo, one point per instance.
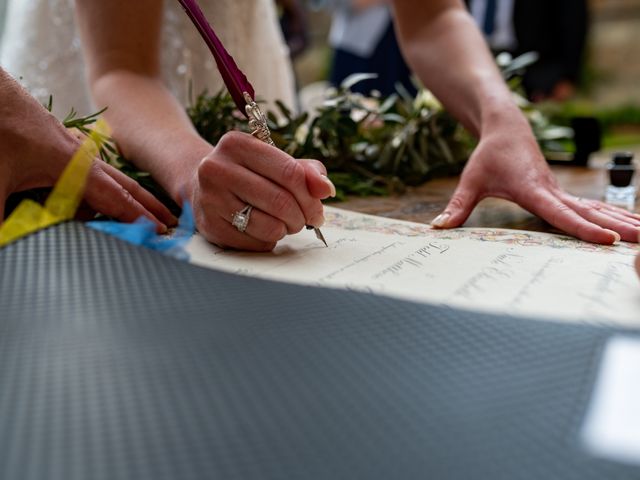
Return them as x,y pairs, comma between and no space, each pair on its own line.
621,176
622,158
621,169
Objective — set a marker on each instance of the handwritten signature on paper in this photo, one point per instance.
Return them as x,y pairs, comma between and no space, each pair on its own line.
501,268
415,259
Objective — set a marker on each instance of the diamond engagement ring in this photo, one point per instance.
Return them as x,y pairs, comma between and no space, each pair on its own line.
241,218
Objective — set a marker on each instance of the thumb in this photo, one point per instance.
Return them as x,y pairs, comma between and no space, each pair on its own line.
318,183
458,209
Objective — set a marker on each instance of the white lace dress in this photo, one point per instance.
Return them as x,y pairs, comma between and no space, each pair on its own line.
41,47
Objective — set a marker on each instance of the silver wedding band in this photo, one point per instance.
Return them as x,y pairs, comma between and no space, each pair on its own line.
241,218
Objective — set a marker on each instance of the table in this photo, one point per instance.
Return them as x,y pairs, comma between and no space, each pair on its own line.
424,203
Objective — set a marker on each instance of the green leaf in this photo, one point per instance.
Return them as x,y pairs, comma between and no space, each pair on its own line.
356,78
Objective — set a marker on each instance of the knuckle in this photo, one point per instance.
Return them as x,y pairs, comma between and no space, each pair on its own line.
209,169
583,231
125,203
456,202
316,164
231,141
293,173
320,166
559,210
296,227
274,232
595,206
282,203
213,234
134,189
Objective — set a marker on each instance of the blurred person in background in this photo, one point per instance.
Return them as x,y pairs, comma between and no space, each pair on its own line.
294,24
556,30
364,41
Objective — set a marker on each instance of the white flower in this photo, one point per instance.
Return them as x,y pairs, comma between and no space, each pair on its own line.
301,133
426,99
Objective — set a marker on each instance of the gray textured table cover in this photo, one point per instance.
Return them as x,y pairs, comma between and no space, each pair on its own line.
118,363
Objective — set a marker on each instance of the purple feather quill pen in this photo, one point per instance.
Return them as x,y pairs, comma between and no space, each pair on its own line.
234,79
237,83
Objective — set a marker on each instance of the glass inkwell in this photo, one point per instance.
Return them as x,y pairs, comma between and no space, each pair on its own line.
621,191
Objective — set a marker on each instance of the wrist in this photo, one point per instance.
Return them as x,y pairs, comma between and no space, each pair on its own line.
182,167
501,116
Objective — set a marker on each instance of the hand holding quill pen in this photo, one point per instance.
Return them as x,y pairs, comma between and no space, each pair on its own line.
236,82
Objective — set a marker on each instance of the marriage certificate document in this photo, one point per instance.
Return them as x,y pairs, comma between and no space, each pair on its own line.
495,270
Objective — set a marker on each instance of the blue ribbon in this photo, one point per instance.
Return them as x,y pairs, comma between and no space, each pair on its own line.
142,232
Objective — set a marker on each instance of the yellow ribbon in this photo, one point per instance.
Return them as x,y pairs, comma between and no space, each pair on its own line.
64,200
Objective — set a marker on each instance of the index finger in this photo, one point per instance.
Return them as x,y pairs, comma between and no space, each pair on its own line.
562,216
107,196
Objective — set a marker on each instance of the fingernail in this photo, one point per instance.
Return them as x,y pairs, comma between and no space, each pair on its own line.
616,236
441,220
326,180
163,228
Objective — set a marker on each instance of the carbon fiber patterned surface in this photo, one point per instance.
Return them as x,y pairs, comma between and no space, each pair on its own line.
117,363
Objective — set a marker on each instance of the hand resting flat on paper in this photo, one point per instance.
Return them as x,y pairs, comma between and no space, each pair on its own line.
508,164
285,193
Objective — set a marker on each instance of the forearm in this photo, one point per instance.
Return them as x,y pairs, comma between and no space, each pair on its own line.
447,52
150,127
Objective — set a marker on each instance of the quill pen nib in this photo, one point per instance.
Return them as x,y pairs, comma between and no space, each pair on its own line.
319,235
260,130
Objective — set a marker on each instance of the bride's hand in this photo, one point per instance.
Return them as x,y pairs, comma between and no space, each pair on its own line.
285,193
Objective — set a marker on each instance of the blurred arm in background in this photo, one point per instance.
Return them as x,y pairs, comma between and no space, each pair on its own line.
294,24
364,40
556,31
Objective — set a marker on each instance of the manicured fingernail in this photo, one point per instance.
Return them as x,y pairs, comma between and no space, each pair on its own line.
616,236
441,220
326,180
